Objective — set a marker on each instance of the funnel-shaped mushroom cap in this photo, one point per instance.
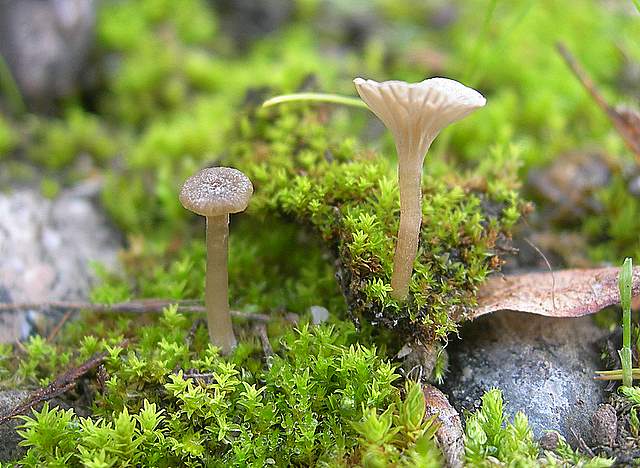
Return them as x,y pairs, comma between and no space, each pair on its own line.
416,112
216,191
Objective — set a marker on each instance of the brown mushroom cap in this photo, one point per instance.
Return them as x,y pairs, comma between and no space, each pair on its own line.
216,191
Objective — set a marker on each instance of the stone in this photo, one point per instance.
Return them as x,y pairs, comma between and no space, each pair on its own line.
319,314
544,367
46,250
569,186
46,44
247,20
605,425
9,438
549,440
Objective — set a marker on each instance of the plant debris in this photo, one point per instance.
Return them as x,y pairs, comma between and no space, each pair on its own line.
624,119
60,385
565,293
450,435
142,306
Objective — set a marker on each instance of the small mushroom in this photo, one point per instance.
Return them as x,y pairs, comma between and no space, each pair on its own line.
215,193
414,113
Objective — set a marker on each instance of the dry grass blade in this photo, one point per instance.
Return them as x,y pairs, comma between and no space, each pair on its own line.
576,292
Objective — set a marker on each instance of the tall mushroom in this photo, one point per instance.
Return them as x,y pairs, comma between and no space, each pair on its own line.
414,113
215,193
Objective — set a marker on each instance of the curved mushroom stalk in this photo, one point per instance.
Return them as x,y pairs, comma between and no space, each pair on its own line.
414,113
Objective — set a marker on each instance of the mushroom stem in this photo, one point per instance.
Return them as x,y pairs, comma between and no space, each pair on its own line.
410,185
217,280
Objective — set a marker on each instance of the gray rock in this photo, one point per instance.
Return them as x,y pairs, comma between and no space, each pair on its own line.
46,247
544,367
247,20
9,439
605,425
319,314
46,44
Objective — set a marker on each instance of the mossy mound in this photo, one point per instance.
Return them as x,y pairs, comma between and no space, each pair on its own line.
350,196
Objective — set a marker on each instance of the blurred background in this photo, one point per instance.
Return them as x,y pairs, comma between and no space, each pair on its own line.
107,106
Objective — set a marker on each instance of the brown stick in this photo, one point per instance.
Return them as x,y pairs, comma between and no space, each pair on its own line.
136,307
624,122
261,330
60,385
450,436
59,325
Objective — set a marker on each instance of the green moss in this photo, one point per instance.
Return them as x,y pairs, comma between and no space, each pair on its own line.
8,139
55,144
175,96
301,170
49,188
322,399
493,441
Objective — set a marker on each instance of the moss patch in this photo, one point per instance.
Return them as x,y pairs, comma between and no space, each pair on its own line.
170,400
350,196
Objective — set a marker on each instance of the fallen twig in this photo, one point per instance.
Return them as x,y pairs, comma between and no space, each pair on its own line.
582,445
261,330
59,386
59,325
626,121
192,332
450,435
135,307
206,377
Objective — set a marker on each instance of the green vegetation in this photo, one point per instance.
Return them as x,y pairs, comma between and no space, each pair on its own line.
493,441
626,358
169,399
175,93
7,138
489,436
351,198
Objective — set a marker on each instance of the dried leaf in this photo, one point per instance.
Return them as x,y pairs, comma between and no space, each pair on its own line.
565,293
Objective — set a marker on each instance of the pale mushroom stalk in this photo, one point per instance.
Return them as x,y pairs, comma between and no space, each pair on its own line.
410,185
414,113
216,296
215,193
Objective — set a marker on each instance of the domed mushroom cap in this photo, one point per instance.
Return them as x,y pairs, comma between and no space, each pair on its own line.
416,112
216,191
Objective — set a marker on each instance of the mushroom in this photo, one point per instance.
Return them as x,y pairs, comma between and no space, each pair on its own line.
414,113
215,193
